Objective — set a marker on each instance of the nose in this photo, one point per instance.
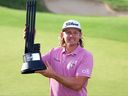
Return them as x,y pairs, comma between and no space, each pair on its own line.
71,35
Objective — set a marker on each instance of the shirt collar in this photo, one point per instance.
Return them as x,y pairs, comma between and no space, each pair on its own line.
76,51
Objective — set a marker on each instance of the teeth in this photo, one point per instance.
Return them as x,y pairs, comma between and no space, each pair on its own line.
71,39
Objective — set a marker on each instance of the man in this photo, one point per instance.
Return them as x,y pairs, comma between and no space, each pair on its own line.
69,66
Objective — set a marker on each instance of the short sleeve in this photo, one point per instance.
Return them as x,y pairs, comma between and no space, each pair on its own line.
47,56
86,65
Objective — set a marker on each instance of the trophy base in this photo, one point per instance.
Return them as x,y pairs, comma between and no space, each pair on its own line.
27,71
32,65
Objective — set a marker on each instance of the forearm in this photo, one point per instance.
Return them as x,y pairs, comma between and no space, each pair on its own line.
74,83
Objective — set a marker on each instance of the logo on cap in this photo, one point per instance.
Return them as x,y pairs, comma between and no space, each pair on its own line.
71,23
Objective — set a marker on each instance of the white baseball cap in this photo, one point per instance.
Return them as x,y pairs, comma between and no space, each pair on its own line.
71,24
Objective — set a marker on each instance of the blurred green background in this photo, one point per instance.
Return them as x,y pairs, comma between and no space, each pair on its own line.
105,37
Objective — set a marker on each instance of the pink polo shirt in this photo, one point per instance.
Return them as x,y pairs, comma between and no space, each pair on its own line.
77,63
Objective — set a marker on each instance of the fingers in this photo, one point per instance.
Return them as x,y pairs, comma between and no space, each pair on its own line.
24,34
39,71
42,71
47,64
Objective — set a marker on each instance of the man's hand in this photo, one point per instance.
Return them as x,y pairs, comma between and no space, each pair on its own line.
74,83
49,72
26,29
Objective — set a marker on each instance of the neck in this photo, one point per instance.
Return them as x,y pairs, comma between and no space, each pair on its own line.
70,48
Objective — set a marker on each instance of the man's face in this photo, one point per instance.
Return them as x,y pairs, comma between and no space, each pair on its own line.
71,36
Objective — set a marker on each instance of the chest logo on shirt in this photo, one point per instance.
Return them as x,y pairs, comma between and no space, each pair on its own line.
71,64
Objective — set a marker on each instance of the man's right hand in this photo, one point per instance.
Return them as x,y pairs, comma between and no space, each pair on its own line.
24,34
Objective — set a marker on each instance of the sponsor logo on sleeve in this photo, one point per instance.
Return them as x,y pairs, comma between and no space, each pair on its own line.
86,71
